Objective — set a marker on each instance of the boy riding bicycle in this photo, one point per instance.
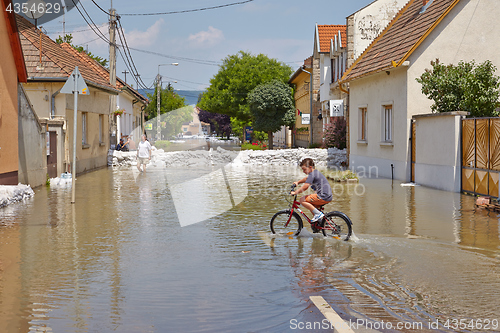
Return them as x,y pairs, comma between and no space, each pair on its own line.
319,184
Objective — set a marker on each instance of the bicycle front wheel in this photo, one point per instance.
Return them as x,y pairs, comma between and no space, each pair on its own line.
286,223
337,225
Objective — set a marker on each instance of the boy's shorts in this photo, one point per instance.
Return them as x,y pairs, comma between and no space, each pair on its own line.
315,200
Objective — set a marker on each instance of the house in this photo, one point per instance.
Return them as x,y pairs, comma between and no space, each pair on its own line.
336,47
129,119
12,72
302,96
384,95
195,126
49,65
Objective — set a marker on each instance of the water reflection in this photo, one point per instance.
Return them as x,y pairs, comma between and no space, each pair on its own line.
118,259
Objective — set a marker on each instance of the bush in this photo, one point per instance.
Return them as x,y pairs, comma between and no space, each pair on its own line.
162,144
253,146
334,134
463,87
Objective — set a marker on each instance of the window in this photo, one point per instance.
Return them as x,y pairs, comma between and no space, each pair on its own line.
363,124
84,128
387,123
332,65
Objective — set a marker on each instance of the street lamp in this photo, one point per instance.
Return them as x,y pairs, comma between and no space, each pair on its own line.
158,86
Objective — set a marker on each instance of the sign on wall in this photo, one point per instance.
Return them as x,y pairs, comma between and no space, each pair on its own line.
336,108
306,118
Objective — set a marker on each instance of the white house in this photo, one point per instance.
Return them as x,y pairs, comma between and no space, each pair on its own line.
384,95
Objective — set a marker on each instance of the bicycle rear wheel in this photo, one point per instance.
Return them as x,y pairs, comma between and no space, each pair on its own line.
337,225
285,223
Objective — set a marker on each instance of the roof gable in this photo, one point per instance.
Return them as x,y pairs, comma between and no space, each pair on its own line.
326,33
400,38
101,70
57,62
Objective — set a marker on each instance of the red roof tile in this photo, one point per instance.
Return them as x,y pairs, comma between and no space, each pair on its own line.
328,32
405,32
56,61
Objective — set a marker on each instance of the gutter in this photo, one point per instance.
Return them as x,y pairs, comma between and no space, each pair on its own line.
64,79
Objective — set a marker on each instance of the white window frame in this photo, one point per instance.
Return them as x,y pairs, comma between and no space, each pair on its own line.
363,124
387,122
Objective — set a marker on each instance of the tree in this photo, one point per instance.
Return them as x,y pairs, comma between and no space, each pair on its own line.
464,87
69,37
237,76
272,106
169,101
219,123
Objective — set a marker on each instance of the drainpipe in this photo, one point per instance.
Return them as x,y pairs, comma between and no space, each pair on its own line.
53,104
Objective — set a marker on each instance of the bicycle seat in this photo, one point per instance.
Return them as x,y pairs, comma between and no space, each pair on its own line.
320,207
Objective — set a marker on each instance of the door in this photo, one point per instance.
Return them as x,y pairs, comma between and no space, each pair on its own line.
52,157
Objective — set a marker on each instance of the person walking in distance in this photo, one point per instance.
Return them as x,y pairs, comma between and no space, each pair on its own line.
143,153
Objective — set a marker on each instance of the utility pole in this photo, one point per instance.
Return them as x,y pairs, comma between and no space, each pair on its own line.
125,72
158,87
112,70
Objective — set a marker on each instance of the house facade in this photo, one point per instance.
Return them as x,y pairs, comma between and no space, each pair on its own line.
384,94
301,80
12,72
49,65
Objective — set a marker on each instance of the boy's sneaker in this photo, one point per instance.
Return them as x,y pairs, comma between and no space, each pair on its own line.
318,217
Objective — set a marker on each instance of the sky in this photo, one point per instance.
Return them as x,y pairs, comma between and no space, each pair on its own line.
198,41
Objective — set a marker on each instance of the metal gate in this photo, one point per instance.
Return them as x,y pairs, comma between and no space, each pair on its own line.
481,156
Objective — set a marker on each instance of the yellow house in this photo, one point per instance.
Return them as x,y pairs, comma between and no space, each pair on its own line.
301,80
49,65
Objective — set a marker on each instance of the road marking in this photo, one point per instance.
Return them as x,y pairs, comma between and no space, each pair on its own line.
340,325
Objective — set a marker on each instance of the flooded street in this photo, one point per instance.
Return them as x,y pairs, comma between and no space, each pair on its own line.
119,261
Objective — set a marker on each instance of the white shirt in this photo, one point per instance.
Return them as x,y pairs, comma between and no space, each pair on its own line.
143,148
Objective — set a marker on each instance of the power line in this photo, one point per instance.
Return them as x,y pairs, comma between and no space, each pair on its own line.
197,61
95,3
189,10
103,37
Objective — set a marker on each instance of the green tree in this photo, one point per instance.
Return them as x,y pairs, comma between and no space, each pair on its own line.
169,101
272,106
463,87
68,38
238,75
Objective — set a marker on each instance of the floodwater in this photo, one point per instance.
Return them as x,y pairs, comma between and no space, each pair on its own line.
118,259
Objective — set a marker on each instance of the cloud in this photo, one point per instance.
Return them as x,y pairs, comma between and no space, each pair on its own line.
136,38
207,38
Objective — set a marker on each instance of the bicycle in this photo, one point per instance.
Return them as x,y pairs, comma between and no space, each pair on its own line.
288,221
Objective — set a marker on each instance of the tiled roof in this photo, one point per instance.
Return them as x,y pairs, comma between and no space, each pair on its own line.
100,70
401,37
57,62
328,32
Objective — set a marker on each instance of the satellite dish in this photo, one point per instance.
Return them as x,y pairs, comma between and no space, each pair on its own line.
36,9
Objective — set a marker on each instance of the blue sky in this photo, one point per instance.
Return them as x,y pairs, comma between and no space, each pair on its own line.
281,29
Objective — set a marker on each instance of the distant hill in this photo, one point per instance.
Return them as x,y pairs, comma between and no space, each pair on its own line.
190,95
